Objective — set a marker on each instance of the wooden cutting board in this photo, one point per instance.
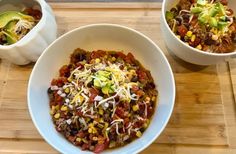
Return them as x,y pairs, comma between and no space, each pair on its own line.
198,117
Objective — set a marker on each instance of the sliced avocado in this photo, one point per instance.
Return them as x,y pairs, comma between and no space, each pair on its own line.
203,18
221,25
196,10
223,18
221,8
11,25
96,83
213,11
107,89
104,73
7,16
11,38
212,22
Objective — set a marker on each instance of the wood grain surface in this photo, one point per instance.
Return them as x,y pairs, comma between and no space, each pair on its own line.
203,120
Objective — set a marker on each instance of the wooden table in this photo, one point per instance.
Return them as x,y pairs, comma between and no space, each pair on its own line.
204,117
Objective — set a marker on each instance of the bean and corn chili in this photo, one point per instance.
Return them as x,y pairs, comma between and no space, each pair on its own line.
102,99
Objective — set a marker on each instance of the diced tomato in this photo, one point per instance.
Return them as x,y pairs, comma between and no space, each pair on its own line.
33,12
64,71
58,98
224,2
135,88
141,74
81,134
129,58
85,146
72,138
182,30
94,92
230,12
97,54
81,66
140,93
54,82
100,147
121,55
120,112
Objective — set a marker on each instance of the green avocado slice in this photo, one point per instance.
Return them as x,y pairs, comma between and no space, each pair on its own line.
11,38
8,16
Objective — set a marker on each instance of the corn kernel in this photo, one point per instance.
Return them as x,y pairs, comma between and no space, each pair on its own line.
90,130
135,107
101,120
67,90
138,134
214,37
91,125
145,125
106,125
153,98
199,47
52,111
100,111
193,38
84,140
64,108
100,125
189,33
147,99
78,139
97,60
95,138
69,79
57,115
81,98
113,58
178,36
57,107
94,130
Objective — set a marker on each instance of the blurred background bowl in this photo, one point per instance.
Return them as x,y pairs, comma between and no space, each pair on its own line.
184,51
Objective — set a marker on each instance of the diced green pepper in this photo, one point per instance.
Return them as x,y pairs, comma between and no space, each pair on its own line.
169,15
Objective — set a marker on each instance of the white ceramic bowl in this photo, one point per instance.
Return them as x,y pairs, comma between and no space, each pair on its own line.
184,51
106,37
30,47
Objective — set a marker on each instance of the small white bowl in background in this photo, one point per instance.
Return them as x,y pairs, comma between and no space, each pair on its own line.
30,47
104,37
186,52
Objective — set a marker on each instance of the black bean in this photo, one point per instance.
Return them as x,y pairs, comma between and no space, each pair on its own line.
134,79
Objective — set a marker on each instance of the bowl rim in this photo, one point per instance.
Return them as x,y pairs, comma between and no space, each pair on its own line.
34,31
189,47
95,25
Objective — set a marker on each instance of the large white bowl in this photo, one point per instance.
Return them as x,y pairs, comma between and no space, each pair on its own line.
93,37
184,51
